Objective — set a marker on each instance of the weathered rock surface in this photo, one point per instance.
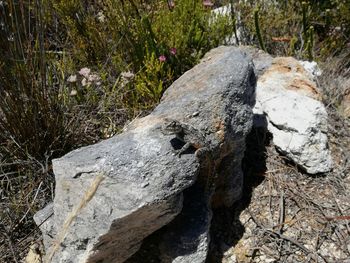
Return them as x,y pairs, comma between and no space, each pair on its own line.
143,181
187,237
289,99
262,61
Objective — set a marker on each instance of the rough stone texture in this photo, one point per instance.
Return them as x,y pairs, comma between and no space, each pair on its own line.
287,73
43,219
298,121
143,181
187,237
140,193
262,61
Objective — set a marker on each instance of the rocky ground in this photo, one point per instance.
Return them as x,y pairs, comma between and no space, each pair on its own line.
287,215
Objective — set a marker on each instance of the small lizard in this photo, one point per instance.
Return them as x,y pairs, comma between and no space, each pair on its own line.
194,138
186,134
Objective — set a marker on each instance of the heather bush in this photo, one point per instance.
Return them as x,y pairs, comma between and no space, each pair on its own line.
119,36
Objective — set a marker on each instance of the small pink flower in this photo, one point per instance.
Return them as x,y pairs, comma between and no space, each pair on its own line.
162,58
208,3
93,78
173,51
171,4
85,72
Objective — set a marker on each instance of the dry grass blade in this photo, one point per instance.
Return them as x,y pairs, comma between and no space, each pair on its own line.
70,218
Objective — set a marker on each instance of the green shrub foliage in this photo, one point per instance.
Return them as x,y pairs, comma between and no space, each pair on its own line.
45,51
119,36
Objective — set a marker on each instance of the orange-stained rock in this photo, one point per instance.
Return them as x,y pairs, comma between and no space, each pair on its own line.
290,74
289,104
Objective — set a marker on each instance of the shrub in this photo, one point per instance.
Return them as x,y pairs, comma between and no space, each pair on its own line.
32,119
119,36
282,25
32,122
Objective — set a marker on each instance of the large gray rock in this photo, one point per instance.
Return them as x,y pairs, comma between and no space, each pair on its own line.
143,181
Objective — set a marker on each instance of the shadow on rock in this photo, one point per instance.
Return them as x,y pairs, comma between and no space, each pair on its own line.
226,229
191,227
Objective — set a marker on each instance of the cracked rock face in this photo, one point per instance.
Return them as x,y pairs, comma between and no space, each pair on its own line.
289,99
142,183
